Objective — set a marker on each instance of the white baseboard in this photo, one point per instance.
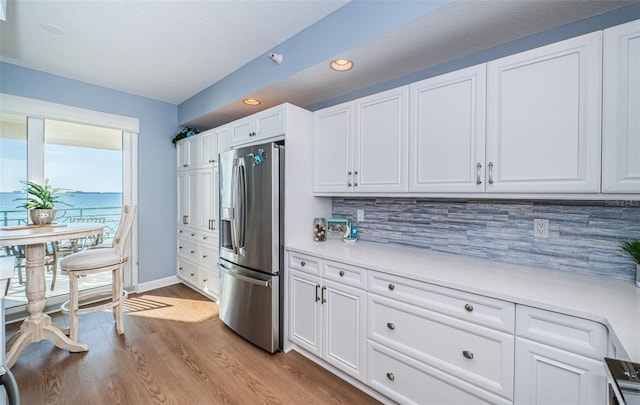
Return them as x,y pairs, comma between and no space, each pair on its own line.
152,285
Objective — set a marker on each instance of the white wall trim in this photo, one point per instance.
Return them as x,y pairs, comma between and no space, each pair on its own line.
45,109
162,282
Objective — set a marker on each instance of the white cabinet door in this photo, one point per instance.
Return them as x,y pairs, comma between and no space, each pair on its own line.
222,137
187,151
546,375
446,137
543,118
381,142
621,107
187,203
270,123
207,149
241,130
305,316
206,198
344,314
332,149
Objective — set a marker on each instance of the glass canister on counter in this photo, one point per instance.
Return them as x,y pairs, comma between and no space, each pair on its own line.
319,230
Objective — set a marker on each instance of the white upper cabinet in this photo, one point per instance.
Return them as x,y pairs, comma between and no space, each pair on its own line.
543,119
381,142
187,153
361,146
210,144
447,132
259,127
621,109
333,148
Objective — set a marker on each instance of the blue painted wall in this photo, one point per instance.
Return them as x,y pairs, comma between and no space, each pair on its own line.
156,157
583,237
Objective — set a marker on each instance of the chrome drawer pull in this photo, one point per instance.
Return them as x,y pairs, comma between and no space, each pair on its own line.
302,263
391,376
392,287
478,167
467,353
391,325
490,172
341,273
468,307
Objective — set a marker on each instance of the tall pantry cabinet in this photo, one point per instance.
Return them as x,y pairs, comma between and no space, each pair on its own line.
197,172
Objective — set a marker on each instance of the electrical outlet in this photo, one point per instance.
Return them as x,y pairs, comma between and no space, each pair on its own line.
540,228
360,215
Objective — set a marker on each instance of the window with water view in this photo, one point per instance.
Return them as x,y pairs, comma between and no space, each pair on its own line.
84,159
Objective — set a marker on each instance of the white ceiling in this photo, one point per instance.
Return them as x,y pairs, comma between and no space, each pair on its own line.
166,50
170,50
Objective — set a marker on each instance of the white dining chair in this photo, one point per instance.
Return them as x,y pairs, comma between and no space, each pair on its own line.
93,261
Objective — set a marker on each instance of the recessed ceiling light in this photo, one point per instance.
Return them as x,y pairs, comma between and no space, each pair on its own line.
251,101
341,65
53,29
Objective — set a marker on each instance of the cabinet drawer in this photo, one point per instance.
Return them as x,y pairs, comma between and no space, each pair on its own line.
345,274
573,334
208,256
470,352
208,238
188,234
491,312
408,381
308,264
188,272
188,248
209,281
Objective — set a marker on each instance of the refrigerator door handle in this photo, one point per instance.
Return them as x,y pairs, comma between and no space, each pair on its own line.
234,206
261,283
242,206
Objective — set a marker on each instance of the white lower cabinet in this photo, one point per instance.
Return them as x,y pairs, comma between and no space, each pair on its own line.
421,343
327,319
559,358
546,375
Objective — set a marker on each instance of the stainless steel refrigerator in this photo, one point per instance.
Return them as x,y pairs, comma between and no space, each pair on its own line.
251,243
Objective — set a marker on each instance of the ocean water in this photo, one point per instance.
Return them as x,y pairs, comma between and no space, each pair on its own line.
83,205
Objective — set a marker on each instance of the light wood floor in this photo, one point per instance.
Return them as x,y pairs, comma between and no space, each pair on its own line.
175,350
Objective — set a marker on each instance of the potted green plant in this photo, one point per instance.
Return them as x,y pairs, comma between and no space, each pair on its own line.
41,200
632,247
184,132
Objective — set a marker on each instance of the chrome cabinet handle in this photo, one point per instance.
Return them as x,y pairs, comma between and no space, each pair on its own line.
185,219
468,307
467,353
324,288
349,179
391,325
317,295
392,287
341,273
390,376
478,167
490,172
302,263
355,179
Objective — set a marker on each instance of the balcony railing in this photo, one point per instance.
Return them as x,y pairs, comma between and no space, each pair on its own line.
110,214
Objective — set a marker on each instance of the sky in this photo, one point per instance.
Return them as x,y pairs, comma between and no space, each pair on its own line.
72,167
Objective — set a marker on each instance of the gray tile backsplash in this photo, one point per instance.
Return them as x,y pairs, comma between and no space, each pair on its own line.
583,237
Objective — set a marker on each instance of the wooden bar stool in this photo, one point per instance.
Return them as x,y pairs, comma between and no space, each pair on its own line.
94,261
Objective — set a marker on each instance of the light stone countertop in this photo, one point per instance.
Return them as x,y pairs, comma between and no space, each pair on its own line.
614,303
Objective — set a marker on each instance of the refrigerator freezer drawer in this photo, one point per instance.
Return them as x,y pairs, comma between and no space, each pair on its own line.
249,305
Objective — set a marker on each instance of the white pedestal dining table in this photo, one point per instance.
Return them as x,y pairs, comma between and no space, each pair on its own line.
38,325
